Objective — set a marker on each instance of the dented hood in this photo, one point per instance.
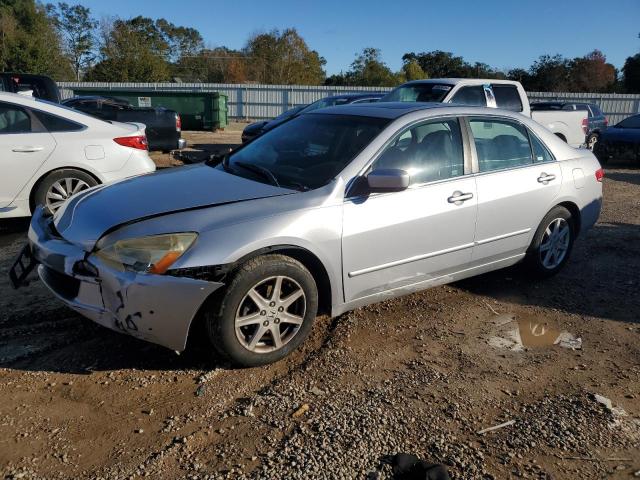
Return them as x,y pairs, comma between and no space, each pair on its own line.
87,216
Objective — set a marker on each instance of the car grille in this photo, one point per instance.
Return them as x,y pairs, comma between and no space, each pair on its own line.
64,285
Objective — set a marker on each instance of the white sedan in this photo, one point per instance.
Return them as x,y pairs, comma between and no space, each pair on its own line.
49,153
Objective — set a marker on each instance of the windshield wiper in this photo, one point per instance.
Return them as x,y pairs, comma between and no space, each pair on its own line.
265,172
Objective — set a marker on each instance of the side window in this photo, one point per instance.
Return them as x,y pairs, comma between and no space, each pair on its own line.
428,152
470,96
53,123
14,119
507,97
540,152
500,144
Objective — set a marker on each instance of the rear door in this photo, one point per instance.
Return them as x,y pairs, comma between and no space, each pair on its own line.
24,146
517,180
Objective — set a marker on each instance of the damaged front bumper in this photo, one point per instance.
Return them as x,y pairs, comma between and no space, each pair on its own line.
155,308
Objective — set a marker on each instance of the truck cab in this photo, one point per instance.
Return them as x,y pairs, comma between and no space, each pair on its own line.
492,93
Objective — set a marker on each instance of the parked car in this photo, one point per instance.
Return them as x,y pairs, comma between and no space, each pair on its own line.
335,209
620,142
593,125
256,129
163,126
49,153
493,93
39,86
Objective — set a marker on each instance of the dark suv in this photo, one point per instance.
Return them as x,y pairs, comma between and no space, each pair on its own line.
596,121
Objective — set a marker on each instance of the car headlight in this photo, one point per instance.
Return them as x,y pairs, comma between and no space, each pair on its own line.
153,254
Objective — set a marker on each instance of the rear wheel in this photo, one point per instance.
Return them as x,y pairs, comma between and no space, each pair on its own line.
267,311
57,187
592,140
552,243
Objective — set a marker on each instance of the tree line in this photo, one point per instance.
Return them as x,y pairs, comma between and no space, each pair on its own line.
68,43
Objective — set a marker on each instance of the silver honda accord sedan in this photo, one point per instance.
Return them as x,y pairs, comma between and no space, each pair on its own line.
330,211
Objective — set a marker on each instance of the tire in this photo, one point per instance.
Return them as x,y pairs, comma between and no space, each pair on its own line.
54,189
255,343
592,140
546,256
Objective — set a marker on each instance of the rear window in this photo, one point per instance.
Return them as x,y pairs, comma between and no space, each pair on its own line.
596,111
53,123
418,92
507,97
470,96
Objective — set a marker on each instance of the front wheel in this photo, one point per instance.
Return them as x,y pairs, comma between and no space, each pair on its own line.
267,311
552,243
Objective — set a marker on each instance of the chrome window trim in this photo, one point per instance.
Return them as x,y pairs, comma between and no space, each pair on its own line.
82,129
466,151
476,164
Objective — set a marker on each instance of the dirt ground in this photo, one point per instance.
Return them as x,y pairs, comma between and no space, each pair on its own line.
421,374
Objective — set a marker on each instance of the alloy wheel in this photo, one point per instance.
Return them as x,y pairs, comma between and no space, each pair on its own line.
63,189
591,143
555,243
270,314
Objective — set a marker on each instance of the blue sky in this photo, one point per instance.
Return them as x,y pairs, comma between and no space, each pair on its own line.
502,33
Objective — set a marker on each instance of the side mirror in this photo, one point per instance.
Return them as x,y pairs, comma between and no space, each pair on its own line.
388,180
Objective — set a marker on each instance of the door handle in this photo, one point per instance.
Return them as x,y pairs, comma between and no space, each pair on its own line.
546,178
27,149
458,197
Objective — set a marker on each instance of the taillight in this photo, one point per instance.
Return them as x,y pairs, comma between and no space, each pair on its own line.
178,123
139,142
585,125
599,174
606,121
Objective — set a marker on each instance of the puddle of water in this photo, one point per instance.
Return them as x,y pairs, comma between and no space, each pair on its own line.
516,333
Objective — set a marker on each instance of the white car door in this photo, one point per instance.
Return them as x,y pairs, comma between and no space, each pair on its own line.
398,239
24,147
517,182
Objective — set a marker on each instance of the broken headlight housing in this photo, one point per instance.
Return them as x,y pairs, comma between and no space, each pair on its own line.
152,254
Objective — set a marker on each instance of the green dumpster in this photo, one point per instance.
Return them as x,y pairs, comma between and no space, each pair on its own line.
198,110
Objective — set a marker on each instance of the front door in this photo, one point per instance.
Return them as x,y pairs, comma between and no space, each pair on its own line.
398,239
22,150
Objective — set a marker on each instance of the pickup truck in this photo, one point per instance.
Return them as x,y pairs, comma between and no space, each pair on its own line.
163,126
505,94
39,86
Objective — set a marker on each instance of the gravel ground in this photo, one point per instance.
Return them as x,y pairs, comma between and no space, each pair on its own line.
419,374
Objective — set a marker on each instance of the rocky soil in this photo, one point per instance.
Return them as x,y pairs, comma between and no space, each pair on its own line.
422,374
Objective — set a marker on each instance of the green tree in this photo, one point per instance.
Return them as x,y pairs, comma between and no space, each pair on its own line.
131,51
631,74
283,58
438,64
29,43
76,27
413,71
550,74
368,69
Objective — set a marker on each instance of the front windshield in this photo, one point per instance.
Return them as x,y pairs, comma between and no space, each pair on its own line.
418,92
306,152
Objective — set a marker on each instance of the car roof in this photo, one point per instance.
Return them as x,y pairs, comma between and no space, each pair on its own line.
393,110
353,96
455,81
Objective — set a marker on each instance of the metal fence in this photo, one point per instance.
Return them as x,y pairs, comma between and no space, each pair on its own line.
255,101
